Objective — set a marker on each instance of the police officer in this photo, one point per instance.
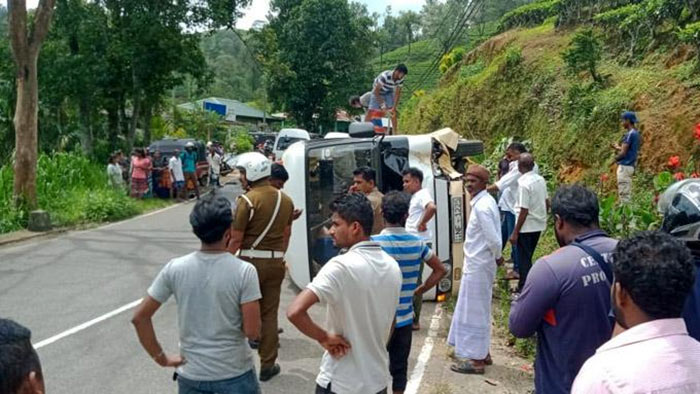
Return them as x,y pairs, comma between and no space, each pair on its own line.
680,205
261,229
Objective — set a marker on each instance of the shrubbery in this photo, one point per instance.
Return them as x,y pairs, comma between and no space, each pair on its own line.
529,15
73,190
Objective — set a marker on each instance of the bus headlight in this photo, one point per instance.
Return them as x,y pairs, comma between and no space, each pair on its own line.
448,269
445,285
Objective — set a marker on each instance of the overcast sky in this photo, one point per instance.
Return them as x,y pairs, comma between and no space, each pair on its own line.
258,10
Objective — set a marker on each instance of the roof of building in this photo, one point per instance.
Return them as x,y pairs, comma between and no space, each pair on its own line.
234,108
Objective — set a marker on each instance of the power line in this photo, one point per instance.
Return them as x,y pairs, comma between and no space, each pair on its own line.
469,11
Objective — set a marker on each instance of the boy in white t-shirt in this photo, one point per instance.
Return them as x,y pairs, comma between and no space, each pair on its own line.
356,360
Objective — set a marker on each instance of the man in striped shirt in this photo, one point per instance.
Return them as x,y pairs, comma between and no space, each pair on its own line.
386,90
408,250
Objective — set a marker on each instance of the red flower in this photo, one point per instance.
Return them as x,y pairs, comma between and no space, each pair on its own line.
697,131
679,176
656,198
604,178
695,175
674,162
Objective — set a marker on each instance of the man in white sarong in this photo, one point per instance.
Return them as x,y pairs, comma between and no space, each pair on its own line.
470,332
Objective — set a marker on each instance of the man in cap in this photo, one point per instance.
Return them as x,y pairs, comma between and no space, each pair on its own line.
470,332
261,231
626,157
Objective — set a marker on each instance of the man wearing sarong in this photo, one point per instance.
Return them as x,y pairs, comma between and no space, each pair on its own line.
470,332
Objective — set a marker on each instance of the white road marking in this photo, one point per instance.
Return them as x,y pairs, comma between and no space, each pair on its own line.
425,352
85,325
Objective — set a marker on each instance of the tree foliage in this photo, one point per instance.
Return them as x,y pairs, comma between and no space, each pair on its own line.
584,54
315,55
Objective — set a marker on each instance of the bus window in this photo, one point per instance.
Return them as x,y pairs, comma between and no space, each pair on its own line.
330,176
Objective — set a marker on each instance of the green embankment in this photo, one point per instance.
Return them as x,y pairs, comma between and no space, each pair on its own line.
515,85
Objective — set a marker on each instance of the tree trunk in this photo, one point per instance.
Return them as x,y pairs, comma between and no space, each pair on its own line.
25,41
26,134
147,110
112,126
86,137
136,109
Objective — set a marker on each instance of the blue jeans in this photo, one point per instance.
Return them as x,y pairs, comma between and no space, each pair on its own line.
507,227
243,384
388,100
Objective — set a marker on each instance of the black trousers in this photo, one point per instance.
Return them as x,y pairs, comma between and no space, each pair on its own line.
399,348
327,390
527,243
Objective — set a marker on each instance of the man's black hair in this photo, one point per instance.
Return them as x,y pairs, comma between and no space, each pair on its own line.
395,207
353,99
517,146
402,68
211,217
355,207
277,171
414,172
367,173
576,205
17,356
657,271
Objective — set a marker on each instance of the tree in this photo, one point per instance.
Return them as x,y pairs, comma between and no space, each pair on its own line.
25,40
409,25
315,55
583,54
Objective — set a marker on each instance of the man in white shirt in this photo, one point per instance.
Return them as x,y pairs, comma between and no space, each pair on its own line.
531,210
356,360
175,167
420,217
470,332
214,159
507,186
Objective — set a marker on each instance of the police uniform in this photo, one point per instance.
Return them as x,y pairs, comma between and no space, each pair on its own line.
254,213
375,199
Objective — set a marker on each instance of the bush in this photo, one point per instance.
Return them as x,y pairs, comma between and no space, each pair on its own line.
691,35
73,190
529,15
242,141
584,54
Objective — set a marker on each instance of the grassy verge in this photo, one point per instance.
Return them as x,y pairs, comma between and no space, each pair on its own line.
74,190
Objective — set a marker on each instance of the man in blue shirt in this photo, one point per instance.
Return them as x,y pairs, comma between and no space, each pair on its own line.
189,167
409,250
566,298
627,151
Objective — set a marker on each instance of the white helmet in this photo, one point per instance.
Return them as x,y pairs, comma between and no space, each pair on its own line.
255,164
189,144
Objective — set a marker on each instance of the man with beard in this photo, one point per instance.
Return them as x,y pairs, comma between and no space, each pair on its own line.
654,273
566,297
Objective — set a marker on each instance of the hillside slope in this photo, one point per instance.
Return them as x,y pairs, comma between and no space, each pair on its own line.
515,85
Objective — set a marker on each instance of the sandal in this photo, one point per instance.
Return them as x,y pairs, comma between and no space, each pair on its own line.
468,368
488,360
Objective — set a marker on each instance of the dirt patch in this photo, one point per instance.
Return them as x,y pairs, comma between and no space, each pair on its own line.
572,172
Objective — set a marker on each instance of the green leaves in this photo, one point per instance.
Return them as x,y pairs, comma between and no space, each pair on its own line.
584,54
315,54
530,15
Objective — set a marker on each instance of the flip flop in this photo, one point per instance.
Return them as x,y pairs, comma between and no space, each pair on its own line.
488,360
468,368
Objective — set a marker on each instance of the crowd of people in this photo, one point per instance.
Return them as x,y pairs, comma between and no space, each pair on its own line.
150,174
610,316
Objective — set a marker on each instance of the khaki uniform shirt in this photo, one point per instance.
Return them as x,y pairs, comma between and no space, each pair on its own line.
375,198
264,199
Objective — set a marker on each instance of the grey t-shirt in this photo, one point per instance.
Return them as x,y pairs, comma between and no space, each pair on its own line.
209,290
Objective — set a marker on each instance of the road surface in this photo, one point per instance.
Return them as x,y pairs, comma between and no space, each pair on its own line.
77,292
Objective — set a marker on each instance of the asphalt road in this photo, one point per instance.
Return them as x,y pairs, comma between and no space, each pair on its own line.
56,286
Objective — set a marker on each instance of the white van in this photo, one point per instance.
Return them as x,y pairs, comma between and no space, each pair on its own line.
287,137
